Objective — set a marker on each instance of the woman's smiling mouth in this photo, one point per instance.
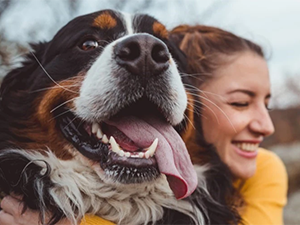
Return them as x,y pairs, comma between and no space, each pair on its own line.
246,149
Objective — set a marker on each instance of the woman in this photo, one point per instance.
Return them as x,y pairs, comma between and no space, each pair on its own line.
229,77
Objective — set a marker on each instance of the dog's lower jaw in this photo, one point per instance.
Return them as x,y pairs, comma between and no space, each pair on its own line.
77,189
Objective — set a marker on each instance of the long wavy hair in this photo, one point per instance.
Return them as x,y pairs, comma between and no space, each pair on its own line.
208,49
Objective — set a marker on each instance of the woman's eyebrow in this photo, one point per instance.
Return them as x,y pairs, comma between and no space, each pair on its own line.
247,92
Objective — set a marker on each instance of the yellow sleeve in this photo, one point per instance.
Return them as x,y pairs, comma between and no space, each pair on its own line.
94,220
265,194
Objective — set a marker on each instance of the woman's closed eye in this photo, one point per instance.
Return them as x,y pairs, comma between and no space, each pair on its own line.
239,104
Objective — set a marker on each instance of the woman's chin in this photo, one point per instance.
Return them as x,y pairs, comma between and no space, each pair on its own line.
244,170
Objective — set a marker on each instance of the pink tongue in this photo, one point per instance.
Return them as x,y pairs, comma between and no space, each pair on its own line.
171,154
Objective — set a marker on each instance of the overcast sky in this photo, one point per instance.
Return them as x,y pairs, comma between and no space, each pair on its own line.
271,23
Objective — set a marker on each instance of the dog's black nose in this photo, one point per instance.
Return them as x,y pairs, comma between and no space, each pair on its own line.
142,55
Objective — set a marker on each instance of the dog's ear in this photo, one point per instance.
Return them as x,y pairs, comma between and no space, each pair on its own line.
178,55
16,83
17,79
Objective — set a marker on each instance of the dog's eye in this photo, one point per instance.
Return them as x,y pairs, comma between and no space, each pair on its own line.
89,45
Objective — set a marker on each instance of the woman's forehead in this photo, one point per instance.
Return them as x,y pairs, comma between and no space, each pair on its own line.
246,70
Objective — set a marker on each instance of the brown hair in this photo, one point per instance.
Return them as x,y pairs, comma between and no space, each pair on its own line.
207,47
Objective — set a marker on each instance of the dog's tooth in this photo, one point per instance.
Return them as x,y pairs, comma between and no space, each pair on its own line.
95,127
127,154
141,154
121,153
147,154
99,133
105,139
114,145
153,147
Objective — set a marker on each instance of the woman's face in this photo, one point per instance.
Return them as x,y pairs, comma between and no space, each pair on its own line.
235,115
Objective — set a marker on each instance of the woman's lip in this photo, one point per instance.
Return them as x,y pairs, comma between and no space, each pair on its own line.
247,141
245,154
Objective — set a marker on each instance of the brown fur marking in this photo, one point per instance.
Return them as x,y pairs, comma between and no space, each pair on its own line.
42,127
189,135
160,30
105,21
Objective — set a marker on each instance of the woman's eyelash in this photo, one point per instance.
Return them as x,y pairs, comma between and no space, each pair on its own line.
239,104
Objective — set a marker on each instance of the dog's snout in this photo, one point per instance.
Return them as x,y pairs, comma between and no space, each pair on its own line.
142,55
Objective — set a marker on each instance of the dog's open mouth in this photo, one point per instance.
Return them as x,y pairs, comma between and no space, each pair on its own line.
120,156
136,145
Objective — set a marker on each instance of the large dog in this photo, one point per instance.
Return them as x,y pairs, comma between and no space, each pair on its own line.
87,125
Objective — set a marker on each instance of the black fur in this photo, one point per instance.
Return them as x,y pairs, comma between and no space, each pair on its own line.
25,178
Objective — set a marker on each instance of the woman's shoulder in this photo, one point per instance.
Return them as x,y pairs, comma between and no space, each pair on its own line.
270,172
94,220
269,163
265,194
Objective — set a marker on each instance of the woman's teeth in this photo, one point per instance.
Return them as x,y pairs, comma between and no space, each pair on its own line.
249,147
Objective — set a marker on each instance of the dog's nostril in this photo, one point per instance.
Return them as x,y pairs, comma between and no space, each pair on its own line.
129,52
142,55
160,54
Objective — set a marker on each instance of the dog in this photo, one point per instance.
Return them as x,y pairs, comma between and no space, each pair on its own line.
91,124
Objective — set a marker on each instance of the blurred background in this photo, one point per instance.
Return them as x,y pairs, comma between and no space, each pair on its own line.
272,24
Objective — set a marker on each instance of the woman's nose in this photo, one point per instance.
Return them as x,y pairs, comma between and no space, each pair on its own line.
262,123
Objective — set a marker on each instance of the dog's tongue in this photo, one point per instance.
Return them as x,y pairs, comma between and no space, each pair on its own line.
171,154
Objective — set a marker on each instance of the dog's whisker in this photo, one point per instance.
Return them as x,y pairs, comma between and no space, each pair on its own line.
192,87
191,75
49,74
213,112
198,78
191,103
80,123
195,110
70,123
214,104
204,92
211,93
188,119
61,114
195,74
60,105
54,87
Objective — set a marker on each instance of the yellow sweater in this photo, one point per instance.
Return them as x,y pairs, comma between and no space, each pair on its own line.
264,193
94,220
